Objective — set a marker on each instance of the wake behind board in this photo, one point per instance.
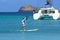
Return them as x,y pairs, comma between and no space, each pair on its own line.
28,30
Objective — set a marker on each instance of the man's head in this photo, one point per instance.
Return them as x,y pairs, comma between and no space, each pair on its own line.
26,17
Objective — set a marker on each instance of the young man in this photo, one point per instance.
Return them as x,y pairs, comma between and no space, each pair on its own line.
24,22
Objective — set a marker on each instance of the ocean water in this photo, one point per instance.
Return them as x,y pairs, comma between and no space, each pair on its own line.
11,21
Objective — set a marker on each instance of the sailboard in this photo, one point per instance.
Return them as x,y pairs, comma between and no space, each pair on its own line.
29,30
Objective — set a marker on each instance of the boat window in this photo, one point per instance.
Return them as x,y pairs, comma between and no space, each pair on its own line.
44,11
52,12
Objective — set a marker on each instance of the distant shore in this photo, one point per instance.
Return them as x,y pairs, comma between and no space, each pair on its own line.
28,8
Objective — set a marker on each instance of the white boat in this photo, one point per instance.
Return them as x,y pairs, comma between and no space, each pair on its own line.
47,11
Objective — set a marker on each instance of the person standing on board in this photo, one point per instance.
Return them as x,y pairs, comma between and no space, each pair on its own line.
24,22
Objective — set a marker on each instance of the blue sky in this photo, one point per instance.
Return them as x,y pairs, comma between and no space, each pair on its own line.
14,5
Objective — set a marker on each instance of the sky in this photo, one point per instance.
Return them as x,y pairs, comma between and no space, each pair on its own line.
14,5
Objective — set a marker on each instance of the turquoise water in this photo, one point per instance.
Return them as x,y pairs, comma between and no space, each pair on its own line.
48,29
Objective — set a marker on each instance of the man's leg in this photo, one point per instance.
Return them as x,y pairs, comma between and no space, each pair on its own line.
24,26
